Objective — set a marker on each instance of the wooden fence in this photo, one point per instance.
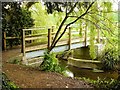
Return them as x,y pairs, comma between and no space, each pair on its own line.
50,35
5,38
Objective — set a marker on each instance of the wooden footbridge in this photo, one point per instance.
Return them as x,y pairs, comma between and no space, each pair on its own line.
70,40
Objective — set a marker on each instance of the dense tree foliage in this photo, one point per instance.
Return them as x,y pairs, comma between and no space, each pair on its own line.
14,19
96,16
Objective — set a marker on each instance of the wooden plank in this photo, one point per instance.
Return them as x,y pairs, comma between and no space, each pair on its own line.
36,64
12,37
33,35
43,46
34,38
4,41
32,29
52,35
24,61
60,43
65,42
49,38
40,34
98,36
37,47
70,36
85,37
36,58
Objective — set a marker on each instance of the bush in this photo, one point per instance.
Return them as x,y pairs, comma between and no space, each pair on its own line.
7,84
51,63
103,84
110,59
14,19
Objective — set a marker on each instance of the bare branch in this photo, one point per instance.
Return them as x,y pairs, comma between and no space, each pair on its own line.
72,8
59,29
82,14
53,45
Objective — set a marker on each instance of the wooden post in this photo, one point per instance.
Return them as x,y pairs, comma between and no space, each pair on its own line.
23,48
49,38
4,39
52,33
21,41
98,36
69,42
85,38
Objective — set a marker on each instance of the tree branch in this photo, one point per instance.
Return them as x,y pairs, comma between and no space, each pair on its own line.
59,29
72,8
53,45
82,14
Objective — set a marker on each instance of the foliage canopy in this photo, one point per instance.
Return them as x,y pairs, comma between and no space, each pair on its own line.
14,19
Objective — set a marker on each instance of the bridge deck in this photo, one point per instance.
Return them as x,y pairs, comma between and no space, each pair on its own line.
56,49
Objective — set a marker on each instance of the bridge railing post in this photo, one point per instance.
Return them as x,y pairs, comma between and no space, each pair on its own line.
52,34
4,40
24,61
69,42
98,36
85,38
49,38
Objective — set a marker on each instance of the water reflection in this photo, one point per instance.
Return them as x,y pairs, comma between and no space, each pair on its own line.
88,73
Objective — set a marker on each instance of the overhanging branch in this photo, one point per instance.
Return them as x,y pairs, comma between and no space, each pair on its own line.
53,45
59,29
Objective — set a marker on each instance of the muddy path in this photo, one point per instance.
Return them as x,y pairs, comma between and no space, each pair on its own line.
27,77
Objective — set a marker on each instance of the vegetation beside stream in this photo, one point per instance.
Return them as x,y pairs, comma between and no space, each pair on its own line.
103,83
84,17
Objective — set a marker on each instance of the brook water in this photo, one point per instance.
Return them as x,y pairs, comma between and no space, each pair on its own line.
88,73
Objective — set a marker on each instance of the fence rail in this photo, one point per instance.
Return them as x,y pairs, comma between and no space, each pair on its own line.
50,35
5,38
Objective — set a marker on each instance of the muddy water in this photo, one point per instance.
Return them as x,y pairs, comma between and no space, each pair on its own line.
83,53
89,73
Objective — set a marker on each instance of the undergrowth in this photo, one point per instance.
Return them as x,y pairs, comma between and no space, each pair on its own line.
51,63
110,59
102,84
7,84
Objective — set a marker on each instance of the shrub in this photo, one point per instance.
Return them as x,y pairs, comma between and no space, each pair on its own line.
51,63
103,84
14,19
110,59
7,84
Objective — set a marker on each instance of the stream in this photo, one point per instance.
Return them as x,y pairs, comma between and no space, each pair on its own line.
88,73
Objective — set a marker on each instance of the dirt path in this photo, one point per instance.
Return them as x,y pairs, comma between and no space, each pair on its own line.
26,77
